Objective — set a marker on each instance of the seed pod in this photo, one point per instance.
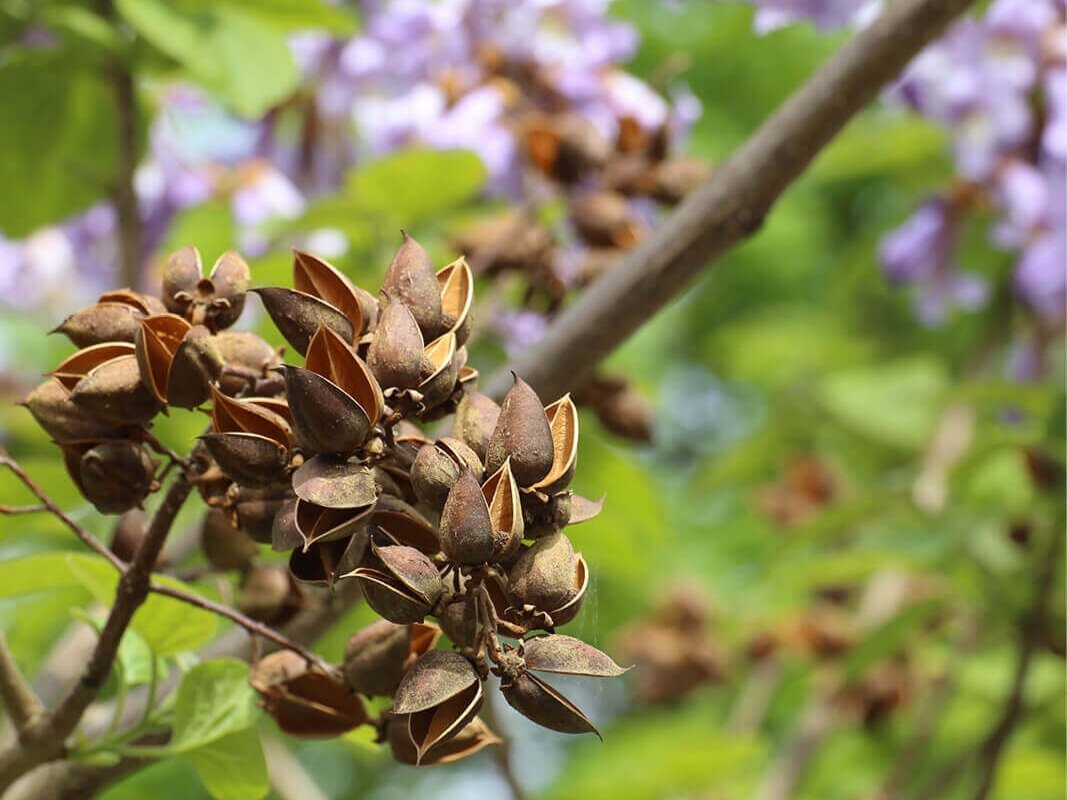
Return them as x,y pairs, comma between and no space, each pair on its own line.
395,353
566,655
334,482
55,412
251,444
324,563
459,622
377,656
545,574
317,524
474,737
128,534
476,418
401,524
410,278
522,433
178,362
505,512
244,351
317,277
565,146
440,694
268,594
216,301
676,177
224,545
540,703
116,476
335,401
298,315
563,422
255,509
437,467
456,283
466,529
605,219
583,509
101,322
402,585
181,274
113,392
305,700
441,363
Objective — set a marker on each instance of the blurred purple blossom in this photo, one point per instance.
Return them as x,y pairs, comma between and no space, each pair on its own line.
518,329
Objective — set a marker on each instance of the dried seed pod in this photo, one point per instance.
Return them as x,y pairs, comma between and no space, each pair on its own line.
317,277
563,422
522,433
411,279
457,297
215,301
459,622
101,322
475,421
333,482
437,467
247,357
505,512
441,363
402,585
473,738
676,177
566,655
113,392
606,219
541,703
181,274
401,524
255,509
466,529
317,524
128,534
116,476
226,546
395,353
565,146
179,362
545,574
268,594
298,315
440,695
55,412
377,656
325,562
335,401
251,444
305,700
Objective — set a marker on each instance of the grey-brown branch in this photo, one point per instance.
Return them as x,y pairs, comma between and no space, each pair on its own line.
732,204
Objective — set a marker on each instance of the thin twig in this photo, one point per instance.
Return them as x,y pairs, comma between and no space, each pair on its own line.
50,505
16,510
21,703
732,204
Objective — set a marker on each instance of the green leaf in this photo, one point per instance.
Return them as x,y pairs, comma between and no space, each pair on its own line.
135,658
20,577
415,185
233,767
895,404
227,49
213,701
888,638
292,15
59,122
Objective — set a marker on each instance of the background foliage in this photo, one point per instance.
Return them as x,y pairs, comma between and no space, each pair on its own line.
793,358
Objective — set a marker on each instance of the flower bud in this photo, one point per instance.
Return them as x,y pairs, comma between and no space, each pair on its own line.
224,545
377,656
522,433
305,700
116,476
410,279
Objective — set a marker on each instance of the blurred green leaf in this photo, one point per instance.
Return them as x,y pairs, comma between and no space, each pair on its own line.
1000,482
233,767
888,638
135,657
895,404
290,15
214,701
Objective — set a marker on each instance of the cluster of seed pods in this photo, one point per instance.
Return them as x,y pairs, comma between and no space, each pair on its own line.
456,536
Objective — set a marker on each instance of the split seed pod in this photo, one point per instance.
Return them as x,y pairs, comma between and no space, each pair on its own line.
377,656
334,400
325,562
251,444
304,700
268,594
479,523
104,381
179,362
402,584
410,278
563,655
563,423
438,466
115,317
457,297
245,352
550,577
522,433
475,421
440,695
116,476
395,352
474,737
441,363
215,301
55,412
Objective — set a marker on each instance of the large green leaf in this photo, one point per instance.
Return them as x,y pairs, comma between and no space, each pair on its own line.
233,767
57,150
228,49
213,701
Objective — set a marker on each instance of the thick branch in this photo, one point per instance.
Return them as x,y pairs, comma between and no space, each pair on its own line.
733,202
21,703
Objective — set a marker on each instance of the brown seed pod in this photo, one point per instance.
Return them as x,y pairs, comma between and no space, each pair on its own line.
128,534
522,433
225,546
247,357
377,656
410,278
178,362
251,444
440,695
566,655
466,529
101,322
268,594
441,363
541,703
215,301
325,562
457,297
546,575
475,421
305,700
254,509
471,739
563,422
55,412
297,315
317,277
400,583
317,524
395,352
116,476
606,219
437,467
112,391
333,482
399,523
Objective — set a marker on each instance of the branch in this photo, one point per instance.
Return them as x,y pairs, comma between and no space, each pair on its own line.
732,204
21,703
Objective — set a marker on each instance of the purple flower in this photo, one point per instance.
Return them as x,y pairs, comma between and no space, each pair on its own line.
1041,275
824,14
518,329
